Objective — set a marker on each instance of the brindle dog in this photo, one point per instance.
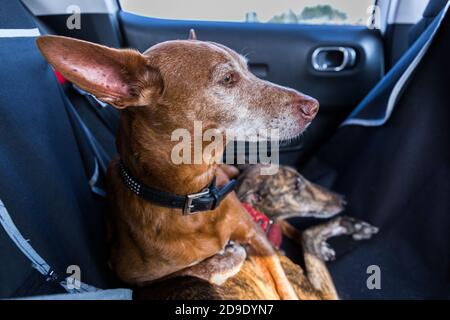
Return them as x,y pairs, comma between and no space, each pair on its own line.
288,194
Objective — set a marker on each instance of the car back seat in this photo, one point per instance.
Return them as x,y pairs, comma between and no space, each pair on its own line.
391,160
52,211
101,118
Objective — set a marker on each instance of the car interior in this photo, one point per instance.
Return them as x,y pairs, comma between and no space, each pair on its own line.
380,138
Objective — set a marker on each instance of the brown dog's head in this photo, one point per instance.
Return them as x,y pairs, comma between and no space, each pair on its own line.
178,82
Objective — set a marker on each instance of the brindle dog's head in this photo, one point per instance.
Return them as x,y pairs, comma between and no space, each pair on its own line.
287,194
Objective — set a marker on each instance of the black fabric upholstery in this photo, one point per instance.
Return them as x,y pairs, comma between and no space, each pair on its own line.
46,161
102,120
397,177
373,108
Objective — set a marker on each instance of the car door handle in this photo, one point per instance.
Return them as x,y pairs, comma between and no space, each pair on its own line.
333,59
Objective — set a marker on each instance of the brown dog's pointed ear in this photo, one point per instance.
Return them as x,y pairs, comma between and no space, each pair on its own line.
192,35
121,78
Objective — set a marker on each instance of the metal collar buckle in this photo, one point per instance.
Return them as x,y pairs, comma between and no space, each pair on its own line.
189,198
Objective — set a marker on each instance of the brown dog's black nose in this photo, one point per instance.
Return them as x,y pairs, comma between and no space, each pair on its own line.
308,106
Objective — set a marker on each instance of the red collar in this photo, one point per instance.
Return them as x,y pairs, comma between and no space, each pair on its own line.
260,218
272,230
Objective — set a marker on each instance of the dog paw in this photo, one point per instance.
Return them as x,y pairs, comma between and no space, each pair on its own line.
326,252
359,230
220,267
315,238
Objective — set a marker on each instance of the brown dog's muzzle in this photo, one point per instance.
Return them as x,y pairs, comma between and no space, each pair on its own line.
307,105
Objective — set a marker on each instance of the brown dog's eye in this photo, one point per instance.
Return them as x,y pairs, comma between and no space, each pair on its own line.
229,79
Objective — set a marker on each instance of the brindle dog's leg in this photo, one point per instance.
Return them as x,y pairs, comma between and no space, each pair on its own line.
317,250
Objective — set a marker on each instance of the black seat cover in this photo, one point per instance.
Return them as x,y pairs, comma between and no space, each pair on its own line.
397,176
47,172
431,11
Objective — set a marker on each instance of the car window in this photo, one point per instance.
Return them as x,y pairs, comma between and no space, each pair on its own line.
257,11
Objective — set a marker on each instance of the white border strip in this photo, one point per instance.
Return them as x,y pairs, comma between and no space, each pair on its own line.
17,33
400,83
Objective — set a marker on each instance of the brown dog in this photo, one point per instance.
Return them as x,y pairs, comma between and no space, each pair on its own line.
313,282
168,87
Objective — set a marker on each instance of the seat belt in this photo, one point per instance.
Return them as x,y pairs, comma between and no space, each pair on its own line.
37,262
